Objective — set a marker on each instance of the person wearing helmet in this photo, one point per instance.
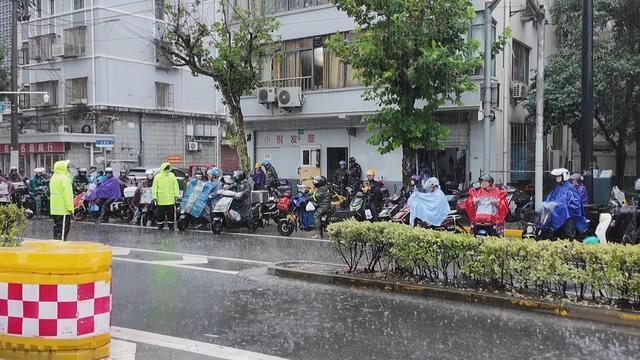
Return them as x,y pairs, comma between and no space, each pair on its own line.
124,179
374,192
488,203
196,197
415,185
143,197
14,175
38,181
93,173
340,177
568,213
429,206
258,176
165,192
322,201
354,172
80,181
271,175
61,200
242,201
577,181
107,191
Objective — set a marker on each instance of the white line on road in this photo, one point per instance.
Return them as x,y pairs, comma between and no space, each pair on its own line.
124,249
158,263
122,350
186,260
192,346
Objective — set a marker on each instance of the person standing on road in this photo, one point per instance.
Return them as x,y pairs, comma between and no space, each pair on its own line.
165,192
61,200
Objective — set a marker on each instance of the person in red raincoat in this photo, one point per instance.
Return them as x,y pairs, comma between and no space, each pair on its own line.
488,204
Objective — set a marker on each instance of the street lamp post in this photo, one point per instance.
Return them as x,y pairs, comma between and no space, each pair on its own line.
14,119
489,5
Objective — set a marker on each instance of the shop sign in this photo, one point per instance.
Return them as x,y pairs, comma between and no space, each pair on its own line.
174,159
31,148
287,139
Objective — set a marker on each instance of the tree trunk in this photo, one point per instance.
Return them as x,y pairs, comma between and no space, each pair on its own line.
408,163
241,140
621,158
636,124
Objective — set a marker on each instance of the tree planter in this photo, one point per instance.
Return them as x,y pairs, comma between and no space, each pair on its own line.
55,300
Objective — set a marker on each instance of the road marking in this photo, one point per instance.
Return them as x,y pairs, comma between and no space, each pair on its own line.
192,346
186,260
160,263
116,251
127,250
122,350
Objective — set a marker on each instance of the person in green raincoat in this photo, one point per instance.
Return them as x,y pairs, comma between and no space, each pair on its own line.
61,199
165,191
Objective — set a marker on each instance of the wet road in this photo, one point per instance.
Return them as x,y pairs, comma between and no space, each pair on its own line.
216,290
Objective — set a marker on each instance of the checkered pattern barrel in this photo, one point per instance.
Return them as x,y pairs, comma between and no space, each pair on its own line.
67,311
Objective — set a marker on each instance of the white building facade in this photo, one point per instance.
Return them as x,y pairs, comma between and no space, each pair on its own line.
112,94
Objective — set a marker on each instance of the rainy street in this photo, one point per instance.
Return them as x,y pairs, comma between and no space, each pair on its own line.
194,295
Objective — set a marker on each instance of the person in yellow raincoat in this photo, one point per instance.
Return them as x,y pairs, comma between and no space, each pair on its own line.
165,191
61,199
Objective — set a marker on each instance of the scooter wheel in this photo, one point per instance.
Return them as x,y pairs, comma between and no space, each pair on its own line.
79,214
127,216
183,223
285,228
216,226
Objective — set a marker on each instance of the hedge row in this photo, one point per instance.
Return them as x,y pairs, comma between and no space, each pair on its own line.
565,269
13,223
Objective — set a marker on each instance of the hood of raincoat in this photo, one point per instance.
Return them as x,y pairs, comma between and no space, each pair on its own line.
164,166
430,207
61,167
569,206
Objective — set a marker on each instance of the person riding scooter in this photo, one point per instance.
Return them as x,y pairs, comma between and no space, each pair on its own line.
80,181
341,178
124,179
568,213
429,207
374,191
14,175
105,194
577,181
242,200
322,201
195,198
37,181
487,205
143,198
415,185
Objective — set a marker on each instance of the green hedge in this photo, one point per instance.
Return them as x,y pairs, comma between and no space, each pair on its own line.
13,223
561,268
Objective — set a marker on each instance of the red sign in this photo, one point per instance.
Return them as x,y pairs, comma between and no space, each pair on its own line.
50,147
174,159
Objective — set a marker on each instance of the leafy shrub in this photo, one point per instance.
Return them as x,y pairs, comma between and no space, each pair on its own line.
13,223
561,268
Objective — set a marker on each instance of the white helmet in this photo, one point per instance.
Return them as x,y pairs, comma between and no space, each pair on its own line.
108,170
148,172
431,182
38,170
561,172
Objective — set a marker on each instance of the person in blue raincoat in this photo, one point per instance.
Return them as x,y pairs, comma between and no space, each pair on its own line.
568,214
196,197
430,206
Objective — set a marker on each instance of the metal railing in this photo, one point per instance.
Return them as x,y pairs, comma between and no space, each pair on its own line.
303,82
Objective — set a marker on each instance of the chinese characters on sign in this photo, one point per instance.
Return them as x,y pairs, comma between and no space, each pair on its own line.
32,148
288,139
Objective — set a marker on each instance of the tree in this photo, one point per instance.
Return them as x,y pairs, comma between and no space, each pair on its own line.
228,50
414,56
616,64
4,76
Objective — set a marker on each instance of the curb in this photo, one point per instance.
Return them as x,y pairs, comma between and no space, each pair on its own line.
570,311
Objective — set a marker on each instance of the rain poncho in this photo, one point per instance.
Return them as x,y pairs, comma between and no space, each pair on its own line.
242,203
36,182
430,207
109,189
568,206
196,197
165,186
582,190
61,199
487,205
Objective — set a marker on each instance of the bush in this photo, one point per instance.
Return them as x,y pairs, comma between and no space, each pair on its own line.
560,268
13,223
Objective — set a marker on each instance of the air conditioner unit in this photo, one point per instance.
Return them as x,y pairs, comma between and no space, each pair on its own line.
266,95
519,91
192,146
290,97
57,50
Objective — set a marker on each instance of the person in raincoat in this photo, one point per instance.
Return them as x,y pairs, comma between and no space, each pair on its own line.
341,178
271,174
259,178
61,200
429,206
81,181
577,181
196,197
242,201
14,175
37,181
322,201
165,192
487,203
105,194
568,213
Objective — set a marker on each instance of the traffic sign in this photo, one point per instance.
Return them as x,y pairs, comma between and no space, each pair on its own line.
104,143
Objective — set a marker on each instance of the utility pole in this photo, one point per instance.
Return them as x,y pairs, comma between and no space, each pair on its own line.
586,134
14,83
489,5
540,25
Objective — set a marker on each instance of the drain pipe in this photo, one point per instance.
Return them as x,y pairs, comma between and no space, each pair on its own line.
140,140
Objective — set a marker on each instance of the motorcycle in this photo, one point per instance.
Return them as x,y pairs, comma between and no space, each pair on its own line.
146,208
122,209
450,224
485,208
5,193
394,204
223,217
598,224
185,218
41,192
20,194
299,215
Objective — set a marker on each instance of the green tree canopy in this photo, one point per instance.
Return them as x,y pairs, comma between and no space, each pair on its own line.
414,56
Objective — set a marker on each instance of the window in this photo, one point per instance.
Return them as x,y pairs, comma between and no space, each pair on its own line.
51,88
39,8
24,53
159,6
164,96
24,100
52,7
78,4
40,47
520,71
76,91
477,33
74,40
274,6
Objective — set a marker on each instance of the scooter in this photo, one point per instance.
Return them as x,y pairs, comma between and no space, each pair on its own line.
30,203
5,193
394,204
300,216
122,209
186,218
599,224
485,208
450,224
223,217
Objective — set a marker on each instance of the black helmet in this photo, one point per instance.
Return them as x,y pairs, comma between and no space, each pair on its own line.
238,176
319,181
488,178
352,159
